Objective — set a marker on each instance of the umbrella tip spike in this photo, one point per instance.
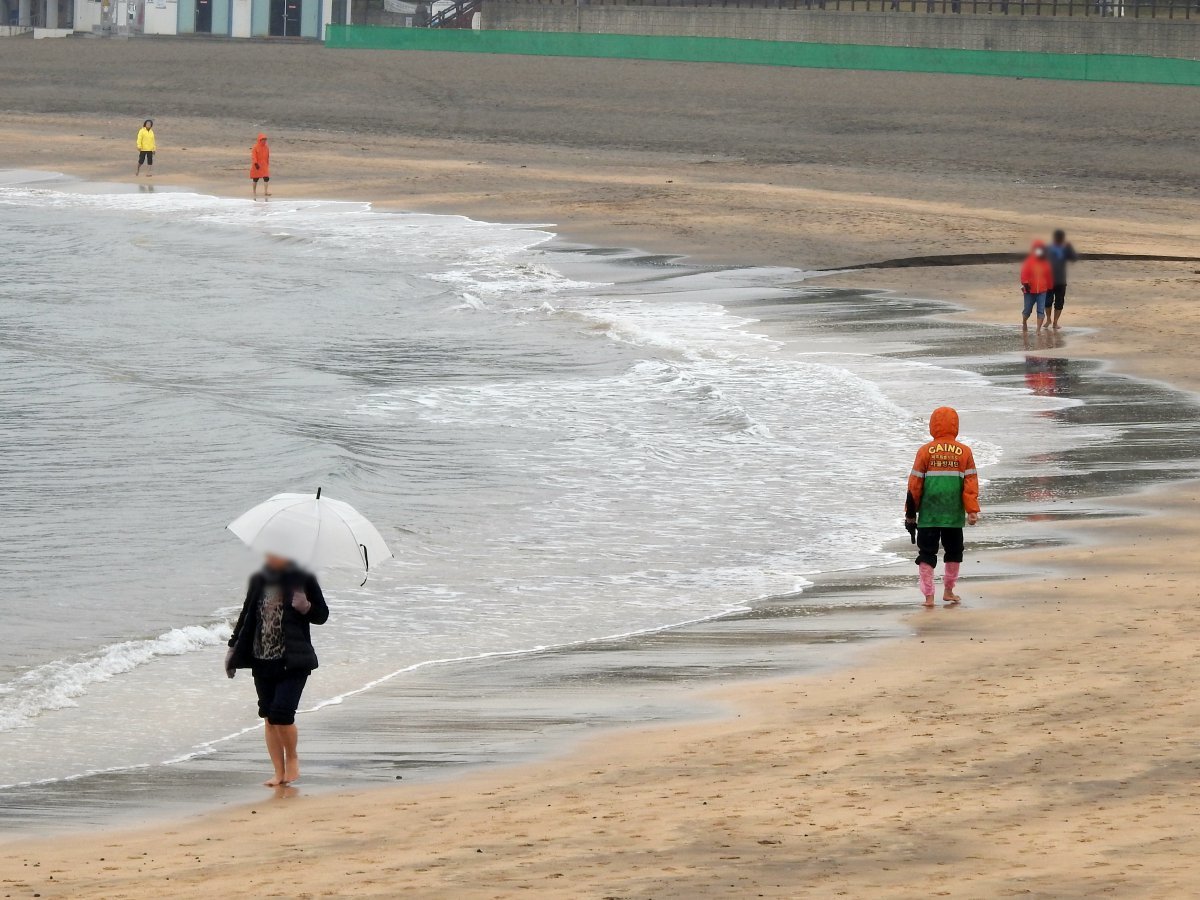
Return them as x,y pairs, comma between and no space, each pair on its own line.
318,493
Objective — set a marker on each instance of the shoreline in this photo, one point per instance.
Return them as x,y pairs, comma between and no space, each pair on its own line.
1037,744
577,208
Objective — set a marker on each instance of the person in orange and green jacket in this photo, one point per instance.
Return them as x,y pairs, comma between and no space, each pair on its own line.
1037,281
260,165
943,495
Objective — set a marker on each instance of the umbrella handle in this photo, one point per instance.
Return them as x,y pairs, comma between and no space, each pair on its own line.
363,548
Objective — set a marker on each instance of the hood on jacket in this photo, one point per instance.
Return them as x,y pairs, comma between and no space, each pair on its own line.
1036,246
261,137
943,424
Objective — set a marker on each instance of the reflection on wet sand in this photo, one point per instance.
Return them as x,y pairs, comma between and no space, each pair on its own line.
1046,339
1048,376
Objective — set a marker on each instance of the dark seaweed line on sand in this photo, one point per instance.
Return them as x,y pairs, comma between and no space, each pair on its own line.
987,259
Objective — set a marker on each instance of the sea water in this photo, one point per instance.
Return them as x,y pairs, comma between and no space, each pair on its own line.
553,458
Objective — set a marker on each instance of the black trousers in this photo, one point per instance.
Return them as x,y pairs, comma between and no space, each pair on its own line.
1057,297
928,539
278,692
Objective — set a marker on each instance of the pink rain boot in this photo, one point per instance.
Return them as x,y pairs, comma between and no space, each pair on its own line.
926,577
948,583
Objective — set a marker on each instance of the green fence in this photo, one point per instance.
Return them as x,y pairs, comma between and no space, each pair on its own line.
1065,66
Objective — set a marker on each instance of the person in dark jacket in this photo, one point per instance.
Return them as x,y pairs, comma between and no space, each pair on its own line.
1061,254
272,639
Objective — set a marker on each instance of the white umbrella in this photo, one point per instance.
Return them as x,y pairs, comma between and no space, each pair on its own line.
314,532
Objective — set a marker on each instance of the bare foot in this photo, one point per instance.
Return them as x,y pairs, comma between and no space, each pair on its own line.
291,770
950,598
929,600
278,781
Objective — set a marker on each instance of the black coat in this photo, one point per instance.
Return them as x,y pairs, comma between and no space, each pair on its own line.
298,652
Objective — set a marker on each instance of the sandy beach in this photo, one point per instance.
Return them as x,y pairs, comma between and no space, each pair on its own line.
1038,743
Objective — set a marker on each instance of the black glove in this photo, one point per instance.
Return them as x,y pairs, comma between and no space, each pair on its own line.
910,525
1025,288
230,671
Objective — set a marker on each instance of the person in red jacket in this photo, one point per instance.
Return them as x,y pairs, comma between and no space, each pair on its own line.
1037,280
260,166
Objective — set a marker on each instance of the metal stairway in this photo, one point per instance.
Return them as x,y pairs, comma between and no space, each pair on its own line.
457,16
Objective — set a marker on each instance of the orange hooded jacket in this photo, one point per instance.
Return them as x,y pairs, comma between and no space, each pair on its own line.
943,487
260,158
1036,272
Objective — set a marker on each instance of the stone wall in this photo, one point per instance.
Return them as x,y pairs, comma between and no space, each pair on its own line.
1030,34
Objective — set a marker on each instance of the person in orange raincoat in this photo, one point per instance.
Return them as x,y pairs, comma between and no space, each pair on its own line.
943,495
260,165
1037,280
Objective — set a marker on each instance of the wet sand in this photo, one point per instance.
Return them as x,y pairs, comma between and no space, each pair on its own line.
1036,744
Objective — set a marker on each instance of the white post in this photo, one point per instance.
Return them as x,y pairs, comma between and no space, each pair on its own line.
51,13
23,13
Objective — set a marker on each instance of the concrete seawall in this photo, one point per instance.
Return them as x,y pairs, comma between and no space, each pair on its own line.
1028,34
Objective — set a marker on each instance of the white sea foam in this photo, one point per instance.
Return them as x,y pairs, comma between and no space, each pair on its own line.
60,684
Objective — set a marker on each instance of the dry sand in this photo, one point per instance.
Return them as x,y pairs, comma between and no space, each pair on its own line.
1040,746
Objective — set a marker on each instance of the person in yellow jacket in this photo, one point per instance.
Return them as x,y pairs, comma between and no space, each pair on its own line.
146,147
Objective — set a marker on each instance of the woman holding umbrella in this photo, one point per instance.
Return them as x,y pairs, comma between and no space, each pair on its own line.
272,639
272,636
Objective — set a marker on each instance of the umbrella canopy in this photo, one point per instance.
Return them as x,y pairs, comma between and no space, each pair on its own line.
314,532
